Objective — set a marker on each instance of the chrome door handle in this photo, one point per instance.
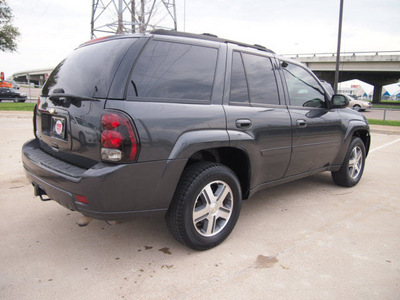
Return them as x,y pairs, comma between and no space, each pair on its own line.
243,123
301,123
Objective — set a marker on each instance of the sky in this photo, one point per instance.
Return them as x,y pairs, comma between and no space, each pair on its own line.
51,29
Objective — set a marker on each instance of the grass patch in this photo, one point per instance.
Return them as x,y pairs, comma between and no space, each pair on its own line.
390,102
387,104
17,106
381,122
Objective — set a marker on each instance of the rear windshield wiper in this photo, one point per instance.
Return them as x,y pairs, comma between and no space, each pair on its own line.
63,97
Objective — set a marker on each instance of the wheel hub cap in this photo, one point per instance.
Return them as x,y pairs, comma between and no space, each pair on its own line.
213,208
355,162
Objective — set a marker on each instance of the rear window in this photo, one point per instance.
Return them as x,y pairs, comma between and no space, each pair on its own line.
174,71
254,78
89,70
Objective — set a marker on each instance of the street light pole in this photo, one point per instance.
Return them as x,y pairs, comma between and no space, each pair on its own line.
338,48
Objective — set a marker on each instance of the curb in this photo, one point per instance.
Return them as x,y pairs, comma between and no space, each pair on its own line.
393,130
16,114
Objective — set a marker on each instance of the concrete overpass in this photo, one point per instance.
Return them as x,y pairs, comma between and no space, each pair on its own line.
377,68
35,76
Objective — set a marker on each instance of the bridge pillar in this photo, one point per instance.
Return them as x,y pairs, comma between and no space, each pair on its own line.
377,93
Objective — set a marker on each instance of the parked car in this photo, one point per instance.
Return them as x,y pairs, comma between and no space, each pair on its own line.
189,125
358,105
15,85
11,94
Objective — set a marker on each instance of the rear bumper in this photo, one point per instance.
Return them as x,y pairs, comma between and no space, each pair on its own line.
114,192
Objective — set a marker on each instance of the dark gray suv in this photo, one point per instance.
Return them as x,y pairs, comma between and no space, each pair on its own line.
187,124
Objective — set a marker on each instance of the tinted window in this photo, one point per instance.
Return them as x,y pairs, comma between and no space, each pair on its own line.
89,70
261,79
171,70
239,91
303,89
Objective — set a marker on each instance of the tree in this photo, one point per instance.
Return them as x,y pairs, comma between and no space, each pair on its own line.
8,32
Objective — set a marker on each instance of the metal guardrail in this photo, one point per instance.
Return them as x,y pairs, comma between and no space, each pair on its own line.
385,115
355,53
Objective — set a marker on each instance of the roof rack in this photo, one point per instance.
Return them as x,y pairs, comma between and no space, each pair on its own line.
208,37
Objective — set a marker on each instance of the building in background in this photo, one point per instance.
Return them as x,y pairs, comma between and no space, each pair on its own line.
35,77
362,91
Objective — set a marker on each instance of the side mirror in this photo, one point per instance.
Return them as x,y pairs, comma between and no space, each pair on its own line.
339,101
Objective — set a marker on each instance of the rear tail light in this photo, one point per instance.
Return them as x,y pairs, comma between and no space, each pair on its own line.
35,111
119,141
82,199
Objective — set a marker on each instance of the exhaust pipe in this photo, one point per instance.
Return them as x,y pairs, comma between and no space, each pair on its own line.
84,221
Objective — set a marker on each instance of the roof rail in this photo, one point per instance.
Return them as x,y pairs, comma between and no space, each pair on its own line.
208,37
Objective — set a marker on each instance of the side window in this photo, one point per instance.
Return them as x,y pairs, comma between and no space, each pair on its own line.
261,77
239,91
303,89
172,70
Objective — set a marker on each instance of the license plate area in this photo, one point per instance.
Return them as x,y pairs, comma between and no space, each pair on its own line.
58,127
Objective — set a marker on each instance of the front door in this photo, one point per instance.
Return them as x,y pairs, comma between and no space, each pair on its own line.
317,133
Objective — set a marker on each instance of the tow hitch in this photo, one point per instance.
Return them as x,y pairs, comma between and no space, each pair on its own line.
39,192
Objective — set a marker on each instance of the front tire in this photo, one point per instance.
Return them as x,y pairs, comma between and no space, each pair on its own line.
352,168
205,207
82,139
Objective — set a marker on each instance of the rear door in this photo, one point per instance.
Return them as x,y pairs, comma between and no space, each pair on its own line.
317,132
257,118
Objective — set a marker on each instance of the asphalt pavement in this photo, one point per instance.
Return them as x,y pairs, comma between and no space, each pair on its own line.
307,239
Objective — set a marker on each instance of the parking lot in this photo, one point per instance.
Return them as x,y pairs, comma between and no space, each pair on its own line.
308,239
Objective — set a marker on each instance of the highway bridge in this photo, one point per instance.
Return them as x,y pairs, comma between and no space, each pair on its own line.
377,68
33,76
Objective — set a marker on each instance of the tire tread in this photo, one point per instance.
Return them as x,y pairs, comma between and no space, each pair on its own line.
175,215
341,177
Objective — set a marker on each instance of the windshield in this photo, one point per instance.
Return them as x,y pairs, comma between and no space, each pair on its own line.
89,70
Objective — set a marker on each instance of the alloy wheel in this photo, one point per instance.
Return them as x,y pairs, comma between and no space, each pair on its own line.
213,208
355,162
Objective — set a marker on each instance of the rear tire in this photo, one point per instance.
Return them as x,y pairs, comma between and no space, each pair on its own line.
205,207
352,168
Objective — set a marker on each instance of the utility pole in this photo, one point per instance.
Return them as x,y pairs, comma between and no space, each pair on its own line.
131,16
338,47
